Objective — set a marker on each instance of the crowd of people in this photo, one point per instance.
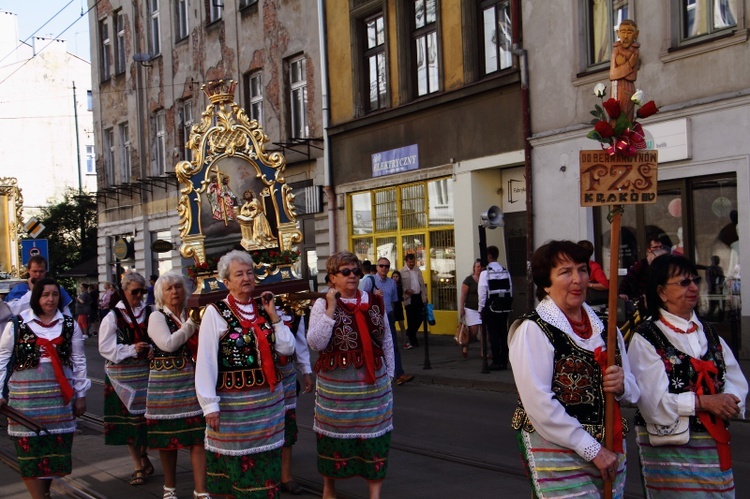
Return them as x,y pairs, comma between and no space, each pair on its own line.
225,388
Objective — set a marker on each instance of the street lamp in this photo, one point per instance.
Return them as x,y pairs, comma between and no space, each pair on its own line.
490,219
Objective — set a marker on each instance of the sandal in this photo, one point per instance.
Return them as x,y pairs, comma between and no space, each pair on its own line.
169,492
201,495
465,351
136,478
148,468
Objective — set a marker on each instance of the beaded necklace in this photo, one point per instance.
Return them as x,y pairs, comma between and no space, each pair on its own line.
246,318
693,326
583,327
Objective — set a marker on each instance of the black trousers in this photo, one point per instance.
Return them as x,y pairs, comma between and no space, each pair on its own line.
414,318
497,330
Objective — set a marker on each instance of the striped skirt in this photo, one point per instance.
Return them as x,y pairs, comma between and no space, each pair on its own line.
36,393
171,393
129,379
289,380
120,426
559,472
679,470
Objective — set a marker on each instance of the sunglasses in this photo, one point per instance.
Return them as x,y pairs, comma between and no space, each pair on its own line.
139,291
384,266
347,272
688,280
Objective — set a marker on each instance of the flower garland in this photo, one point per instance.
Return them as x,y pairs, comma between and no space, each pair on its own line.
275,256
210,265
617,134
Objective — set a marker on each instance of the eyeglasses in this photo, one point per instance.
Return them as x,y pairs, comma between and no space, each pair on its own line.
347,272
384,266
688,280
654,248
139,291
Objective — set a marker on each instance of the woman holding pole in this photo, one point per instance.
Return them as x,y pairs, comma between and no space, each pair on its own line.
558,354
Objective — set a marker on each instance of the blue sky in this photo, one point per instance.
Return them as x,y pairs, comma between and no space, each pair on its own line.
68,25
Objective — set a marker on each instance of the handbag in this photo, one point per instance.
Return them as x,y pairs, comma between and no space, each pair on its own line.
461,333
674,434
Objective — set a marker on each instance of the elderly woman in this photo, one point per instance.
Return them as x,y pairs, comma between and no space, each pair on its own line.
559,363
355,367
47,383
173,414
124,346
468,311
691,385
238,386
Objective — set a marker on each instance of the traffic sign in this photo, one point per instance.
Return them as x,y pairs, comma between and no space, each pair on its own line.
33,247
34,227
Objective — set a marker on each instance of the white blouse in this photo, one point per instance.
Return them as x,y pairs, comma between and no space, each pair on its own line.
212,329
659,406
321,329
159,332
81,383
532,357
108,346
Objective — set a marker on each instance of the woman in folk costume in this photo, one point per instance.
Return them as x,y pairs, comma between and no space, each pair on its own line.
238,386
558,354
49,359
173,414
288,365
123,342
353,398
691,385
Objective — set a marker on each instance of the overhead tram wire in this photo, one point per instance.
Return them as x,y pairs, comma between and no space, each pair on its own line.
48,44
37,31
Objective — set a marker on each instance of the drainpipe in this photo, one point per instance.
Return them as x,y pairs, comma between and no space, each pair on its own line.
328,169
518,50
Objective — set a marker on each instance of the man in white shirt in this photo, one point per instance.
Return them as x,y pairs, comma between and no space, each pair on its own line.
495,299
415,297
20,294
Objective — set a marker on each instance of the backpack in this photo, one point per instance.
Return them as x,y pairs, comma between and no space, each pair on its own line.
500,299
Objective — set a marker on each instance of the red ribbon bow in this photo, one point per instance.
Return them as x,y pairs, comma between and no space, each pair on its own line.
264,347
364,333
51,352
715,425
600,355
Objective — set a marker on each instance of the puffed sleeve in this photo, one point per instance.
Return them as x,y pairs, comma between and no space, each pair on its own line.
321,326
734,382
108,346
284,339
388,348
207,362
81,382
532,357
301,349
159,332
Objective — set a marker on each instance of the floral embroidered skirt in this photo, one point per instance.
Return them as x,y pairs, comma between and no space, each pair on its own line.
120,426
173,434
290,427
347,457
45,455
250,476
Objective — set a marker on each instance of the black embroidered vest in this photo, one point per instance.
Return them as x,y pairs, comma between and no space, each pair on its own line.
239,355
125,330
28,353
345,346
576,382
679,369
167,361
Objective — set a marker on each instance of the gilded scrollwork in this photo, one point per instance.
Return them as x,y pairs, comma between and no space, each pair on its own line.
9,190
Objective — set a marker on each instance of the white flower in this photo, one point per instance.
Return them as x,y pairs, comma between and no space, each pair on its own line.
637,97
600,90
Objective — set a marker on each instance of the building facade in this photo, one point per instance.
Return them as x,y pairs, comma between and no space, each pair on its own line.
426,134
149,62
690,66
47,125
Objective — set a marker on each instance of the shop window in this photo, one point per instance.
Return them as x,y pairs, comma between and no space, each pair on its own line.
602,18
386,212
495,31
443,269
413,204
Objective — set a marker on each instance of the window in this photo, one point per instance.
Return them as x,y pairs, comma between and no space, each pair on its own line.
154,38
247,3
104,48
496,36
160,146
109,156
602,20
186,124
89,100
182,19
374,63
701,18
214,10
119,42
90,161
298,98
254,94
125,172
425,46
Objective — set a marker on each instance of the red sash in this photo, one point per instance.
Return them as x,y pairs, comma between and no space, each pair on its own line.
264,347
364,332
51,352
715,425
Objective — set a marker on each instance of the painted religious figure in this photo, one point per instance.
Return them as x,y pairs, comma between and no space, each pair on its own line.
221,198
256,231
623,69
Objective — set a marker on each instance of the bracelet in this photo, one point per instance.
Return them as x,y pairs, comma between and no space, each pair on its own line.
273,323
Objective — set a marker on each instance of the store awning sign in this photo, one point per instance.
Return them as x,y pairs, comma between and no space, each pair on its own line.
398,160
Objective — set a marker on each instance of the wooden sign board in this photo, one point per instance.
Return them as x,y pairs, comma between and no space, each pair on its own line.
611,180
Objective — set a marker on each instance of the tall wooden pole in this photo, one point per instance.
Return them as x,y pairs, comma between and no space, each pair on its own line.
609,397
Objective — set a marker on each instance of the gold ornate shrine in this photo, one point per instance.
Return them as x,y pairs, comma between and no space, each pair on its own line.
11,226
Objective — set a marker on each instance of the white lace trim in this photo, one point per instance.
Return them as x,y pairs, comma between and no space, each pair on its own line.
174,416
590,452
552,314
57,431
244,452
332,434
